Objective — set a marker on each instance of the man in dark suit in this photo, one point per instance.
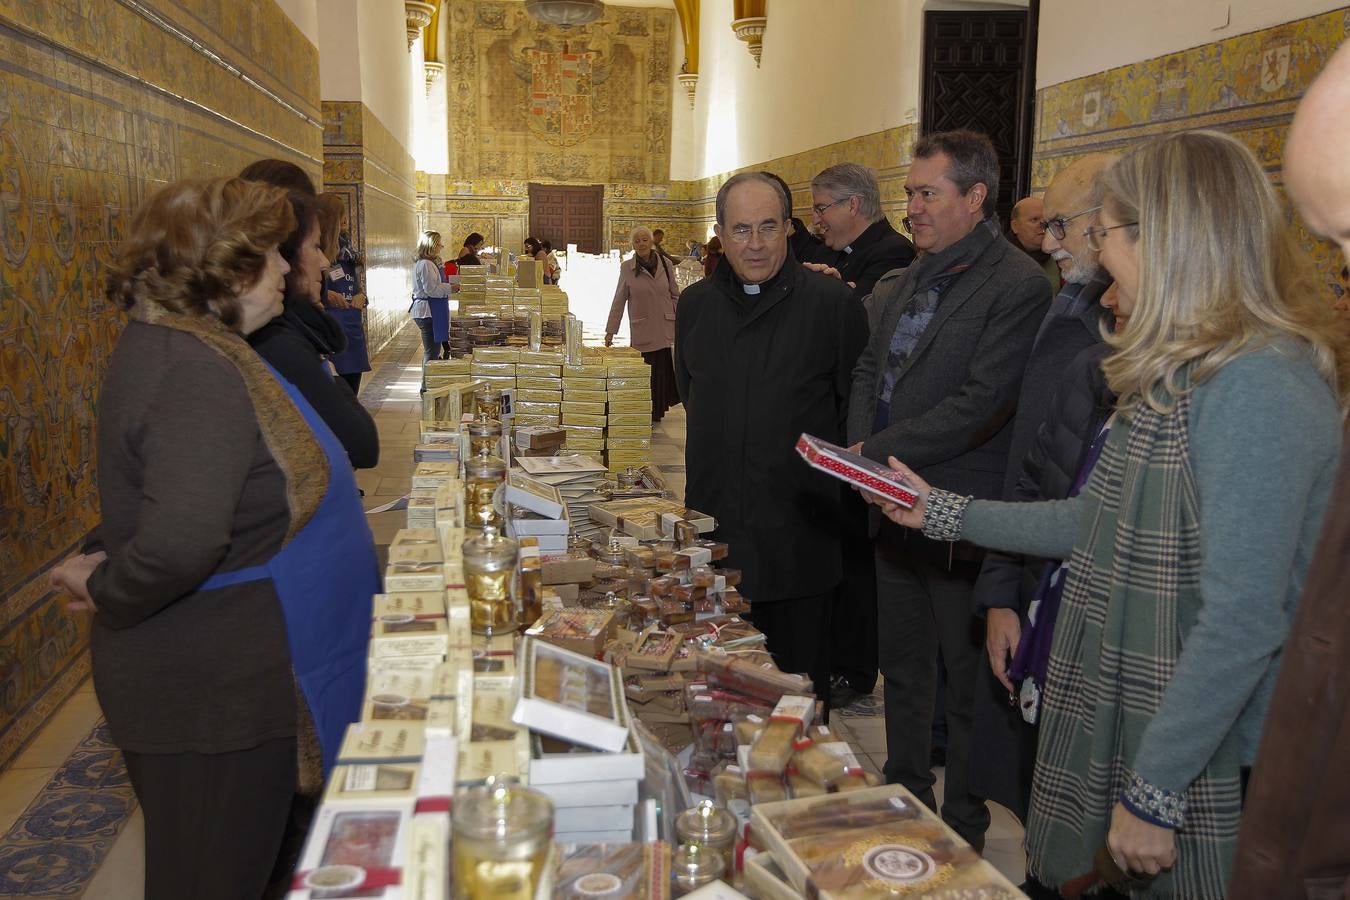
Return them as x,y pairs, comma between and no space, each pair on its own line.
846,202
764,350
938,382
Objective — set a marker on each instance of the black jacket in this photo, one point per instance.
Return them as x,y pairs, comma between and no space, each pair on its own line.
878,250
1073,324
754,374
809,248
468,258
1003,749
294,344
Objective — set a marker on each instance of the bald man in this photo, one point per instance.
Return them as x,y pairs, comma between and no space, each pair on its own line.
1024,231
1004,745
1296,820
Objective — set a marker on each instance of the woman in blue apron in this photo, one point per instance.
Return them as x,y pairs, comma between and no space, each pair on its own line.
343,298
233,562
431,297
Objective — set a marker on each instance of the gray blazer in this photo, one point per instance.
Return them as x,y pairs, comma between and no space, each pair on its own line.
951,411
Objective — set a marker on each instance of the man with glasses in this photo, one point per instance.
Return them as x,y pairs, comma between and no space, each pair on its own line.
938,382
846,202
1004,743
764,351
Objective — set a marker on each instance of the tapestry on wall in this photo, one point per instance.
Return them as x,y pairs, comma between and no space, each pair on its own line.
589,104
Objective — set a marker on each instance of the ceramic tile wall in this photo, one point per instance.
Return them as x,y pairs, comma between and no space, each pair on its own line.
365,163
101,102
1248,85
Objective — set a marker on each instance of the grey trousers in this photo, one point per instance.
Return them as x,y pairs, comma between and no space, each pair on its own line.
923,603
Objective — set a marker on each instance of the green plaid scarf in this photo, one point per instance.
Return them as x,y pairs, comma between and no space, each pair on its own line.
1132,595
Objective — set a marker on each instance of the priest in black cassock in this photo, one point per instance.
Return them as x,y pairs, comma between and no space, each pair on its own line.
764,351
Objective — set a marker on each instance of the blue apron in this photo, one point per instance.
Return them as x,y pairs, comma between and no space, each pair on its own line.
325,577
355,358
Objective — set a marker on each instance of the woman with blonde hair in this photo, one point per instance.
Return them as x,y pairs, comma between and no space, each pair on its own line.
431,297
647,287
1188,545
233,560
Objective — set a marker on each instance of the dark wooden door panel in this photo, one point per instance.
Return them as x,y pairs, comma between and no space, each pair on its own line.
976,76
568,214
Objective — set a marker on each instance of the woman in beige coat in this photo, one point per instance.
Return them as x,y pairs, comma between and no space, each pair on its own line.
647,286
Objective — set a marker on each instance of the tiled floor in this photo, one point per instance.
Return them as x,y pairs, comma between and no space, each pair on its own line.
392,395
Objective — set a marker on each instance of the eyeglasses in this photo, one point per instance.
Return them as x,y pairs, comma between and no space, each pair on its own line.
1097,233
1057,225
820,208
768,231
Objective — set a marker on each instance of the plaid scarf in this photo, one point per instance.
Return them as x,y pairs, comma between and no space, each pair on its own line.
1133,593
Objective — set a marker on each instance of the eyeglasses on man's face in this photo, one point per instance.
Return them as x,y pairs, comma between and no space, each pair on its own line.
1057,226
1097,234
767,232
821,208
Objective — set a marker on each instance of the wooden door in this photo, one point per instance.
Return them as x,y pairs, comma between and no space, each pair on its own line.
977,74
568,214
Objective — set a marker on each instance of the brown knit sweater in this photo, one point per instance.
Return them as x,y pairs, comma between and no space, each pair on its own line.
190,485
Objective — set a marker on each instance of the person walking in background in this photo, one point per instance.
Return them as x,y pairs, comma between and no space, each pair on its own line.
431,297
552,270
647,288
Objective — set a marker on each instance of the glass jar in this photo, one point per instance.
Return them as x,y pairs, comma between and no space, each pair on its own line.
611,569
483,475
630,478
489,564
487,404
502,835
708,826
693,866
485,434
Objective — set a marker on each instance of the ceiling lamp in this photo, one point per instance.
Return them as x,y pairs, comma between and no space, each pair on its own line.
565,13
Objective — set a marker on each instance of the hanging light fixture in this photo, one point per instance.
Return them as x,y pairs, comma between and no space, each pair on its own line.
565,13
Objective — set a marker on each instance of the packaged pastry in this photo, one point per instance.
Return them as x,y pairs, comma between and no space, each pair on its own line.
613,872
571,696
773,747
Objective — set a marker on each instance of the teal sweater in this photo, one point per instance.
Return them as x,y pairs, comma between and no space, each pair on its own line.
1265,434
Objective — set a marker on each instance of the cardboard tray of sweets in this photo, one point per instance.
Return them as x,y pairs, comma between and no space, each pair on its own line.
879,842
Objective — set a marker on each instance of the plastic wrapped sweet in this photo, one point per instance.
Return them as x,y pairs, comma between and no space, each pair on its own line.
612,872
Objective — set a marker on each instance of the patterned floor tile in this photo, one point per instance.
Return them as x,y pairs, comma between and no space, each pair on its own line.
57,844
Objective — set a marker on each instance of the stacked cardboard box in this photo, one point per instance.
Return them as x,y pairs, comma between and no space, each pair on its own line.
495,366
629,391
539,387
583,394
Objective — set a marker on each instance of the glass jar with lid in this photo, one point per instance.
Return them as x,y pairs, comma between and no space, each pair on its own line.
630,478
612,572
489,565
693,866
708,826
502,835
484,473
484,434
487,404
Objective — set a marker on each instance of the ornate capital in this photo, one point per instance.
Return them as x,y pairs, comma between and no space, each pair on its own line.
751,18
417,14
690,82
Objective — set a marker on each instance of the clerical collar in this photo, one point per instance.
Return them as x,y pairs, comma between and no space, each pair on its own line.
750,288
